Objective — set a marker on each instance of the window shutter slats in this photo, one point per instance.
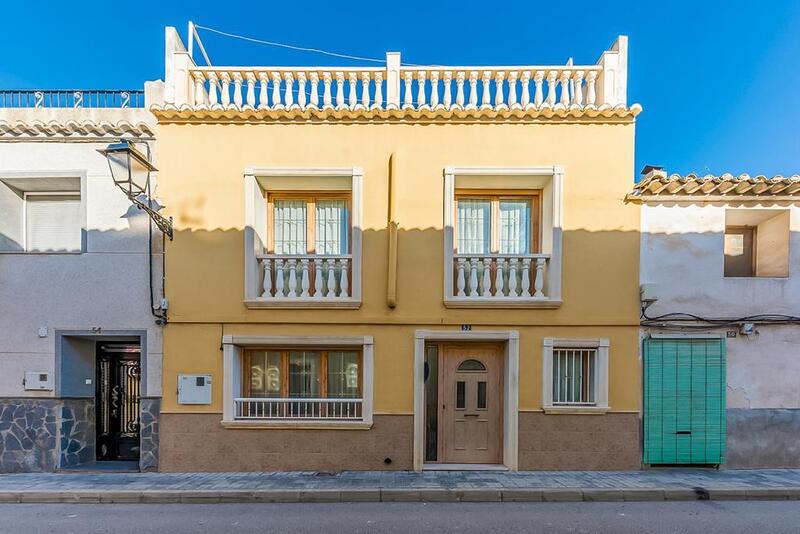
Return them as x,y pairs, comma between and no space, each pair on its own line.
53,223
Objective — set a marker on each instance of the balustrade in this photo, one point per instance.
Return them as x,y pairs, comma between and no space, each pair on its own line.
500,276
311,277
298,408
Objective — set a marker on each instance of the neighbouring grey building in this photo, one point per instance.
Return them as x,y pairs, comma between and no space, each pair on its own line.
721,321
80,350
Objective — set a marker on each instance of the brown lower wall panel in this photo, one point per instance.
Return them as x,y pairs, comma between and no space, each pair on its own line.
198,442
607,442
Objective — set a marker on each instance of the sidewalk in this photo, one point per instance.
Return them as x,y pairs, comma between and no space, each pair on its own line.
374,486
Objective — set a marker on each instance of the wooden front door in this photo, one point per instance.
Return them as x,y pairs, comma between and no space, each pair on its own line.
470,404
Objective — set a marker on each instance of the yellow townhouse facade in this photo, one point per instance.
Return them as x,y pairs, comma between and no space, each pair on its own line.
399,267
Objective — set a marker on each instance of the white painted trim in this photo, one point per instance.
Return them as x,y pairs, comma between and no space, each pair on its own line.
553,278
232,352
510,387
601,375
252,275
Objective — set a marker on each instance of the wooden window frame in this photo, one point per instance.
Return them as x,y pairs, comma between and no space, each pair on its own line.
492,195
323,368
310,198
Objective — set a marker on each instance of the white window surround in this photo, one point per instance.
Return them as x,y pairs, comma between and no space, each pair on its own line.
547,178
232,348
510,387
35,183
601,375
259,180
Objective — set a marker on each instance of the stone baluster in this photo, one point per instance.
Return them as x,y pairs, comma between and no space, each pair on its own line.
500,286
199,93
460,76
473,90
538,97
327,81
288,90
352,97
378,99
538,281
340,90
486,290
344,283
526,277
486,97
447,88
564,80
577,88
263,80
226,89
591,95
314,100
276,91
473,277
279,277
512,277
318,278
408,100
304,278
267,285
512,90
213,89
365,79
251,89
460,278
525,93
421,99
551,88
499,78
302,98
292,277
237,90
330,281
435,90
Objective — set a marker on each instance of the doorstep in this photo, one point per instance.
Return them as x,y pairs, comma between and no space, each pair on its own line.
464,467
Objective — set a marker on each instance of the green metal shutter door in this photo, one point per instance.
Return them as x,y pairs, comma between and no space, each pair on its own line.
684,401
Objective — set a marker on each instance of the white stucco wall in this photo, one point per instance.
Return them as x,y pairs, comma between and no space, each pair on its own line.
682,252
104,287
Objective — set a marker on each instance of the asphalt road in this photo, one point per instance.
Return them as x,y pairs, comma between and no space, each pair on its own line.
702,517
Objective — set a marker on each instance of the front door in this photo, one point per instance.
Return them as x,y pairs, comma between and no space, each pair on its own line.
117,401
470,404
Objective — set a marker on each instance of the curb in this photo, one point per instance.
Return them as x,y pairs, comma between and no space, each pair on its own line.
403,495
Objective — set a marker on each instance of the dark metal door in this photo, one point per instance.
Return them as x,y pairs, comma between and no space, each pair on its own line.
118,381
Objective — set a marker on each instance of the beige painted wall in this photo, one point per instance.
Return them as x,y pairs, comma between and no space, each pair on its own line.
202,185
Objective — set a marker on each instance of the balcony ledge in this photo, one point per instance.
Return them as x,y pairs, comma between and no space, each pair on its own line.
494,302
576,410
299,424
300,303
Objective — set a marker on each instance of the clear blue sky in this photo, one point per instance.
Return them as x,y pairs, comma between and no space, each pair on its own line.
719,81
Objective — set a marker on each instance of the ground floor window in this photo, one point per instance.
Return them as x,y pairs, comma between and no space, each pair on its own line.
299,383
575,374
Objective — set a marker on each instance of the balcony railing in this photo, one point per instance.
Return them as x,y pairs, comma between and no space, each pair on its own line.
72,98
305,277
298,408
501,277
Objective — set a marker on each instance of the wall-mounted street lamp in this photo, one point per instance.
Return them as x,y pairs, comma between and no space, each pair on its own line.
130,170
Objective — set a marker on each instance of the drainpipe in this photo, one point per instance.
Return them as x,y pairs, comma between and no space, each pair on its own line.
391,282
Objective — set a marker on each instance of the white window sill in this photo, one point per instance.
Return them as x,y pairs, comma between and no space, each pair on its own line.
501,302
42,252
300,303
298,424
577,410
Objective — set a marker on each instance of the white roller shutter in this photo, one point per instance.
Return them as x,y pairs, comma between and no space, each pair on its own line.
53,223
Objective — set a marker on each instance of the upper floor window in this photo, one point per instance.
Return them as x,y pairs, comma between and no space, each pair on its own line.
756,243
40,215
497,224
314,224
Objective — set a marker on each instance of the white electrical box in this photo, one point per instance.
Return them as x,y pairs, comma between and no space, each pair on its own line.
194,389
38,381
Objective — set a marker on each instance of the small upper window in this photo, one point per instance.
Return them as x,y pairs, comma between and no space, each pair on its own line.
756,243
496,224
317,224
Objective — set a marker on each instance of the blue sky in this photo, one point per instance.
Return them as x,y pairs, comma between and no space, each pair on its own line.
719,81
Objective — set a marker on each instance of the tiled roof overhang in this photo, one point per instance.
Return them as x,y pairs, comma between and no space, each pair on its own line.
657,185
71,129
